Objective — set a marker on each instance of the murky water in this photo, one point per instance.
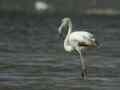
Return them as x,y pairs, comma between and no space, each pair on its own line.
32,55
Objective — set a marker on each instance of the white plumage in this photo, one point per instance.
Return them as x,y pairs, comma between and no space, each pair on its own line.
78,40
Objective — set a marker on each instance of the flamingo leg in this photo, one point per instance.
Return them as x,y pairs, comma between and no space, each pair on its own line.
83,67
84,74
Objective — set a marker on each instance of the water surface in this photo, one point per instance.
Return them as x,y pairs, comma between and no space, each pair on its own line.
32,55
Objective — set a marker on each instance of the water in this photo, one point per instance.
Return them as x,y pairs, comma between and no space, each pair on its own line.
32,55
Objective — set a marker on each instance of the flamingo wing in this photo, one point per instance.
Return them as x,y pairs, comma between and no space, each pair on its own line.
82,39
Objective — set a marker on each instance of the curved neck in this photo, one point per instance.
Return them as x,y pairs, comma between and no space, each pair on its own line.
67,45
69,30
69,27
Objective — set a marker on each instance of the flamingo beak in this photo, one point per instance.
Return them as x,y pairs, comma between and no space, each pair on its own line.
60,29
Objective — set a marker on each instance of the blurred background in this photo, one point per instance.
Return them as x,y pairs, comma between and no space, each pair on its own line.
32,56
77,7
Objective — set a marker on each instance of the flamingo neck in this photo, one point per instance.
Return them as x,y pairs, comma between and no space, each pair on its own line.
67,45
69,30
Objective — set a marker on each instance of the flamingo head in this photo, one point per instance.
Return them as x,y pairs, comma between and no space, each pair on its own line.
63,28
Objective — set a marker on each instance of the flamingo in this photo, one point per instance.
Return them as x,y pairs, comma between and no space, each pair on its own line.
77,41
